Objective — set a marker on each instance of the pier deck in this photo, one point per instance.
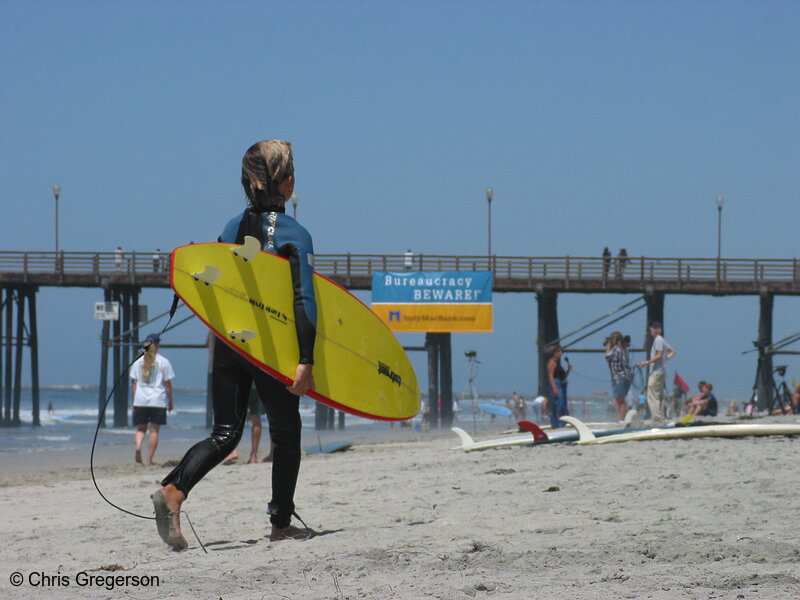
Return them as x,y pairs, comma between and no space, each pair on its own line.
709,276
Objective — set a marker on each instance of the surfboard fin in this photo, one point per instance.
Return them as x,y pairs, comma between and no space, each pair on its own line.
466,439
585,435
538,433
243,335
208,276
249,250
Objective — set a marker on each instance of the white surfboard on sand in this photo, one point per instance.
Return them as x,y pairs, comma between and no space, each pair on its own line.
468,444
671,433
536,435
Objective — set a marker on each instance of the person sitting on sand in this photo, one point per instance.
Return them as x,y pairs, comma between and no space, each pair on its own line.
687,401
703,404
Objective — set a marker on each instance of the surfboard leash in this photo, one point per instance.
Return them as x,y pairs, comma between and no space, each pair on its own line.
638,380
101,419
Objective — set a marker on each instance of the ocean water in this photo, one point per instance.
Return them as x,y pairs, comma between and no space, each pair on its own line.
73,421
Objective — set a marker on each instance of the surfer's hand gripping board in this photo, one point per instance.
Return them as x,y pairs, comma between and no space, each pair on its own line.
245,296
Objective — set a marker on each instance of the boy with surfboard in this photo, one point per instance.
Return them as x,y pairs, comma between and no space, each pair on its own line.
268,182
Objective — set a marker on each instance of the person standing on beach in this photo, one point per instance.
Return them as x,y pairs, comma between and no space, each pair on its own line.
152,377
268,182
620,367
660,353
519,407
557,378
255,409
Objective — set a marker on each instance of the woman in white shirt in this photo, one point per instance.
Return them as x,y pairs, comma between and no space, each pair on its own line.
152,376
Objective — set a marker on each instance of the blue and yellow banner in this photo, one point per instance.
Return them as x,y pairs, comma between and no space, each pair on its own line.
434,301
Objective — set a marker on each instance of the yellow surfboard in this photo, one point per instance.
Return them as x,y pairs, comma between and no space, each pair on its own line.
245,296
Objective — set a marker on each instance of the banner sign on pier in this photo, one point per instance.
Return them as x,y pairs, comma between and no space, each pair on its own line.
434,301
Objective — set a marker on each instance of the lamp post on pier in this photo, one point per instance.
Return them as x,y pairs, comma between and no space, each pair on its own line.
56,194
489,196
720,202
294,200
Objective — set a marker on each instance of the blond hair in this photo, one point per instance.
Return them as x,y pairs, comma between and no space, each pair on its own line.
265,166
147,363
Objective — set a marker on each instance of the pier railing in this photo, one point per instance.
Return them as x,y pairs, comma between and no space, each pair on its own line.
517,267
94,268
82,262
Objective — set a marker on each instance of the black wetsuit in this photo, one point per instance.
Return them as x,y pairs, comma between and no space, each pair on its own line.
232,375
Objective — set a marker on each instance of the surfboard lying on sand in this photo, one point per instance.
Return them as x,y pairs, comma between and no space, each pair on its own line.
603,428
537,436
586,436
563,435
328,448
468,444
245,296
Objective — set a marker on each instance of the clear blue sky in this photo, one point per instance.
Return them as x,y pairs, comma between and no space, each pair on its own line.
596,123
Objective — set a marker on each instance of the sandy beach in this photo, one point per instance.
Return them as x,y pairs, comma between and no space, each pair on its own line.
405,516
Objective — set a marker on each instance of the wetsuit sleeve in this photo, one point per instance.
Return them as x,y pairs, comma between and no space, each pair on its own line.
300,253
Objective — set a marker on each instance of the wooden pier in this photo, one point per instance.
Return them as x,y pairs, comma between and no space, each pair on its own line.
122,276
706,276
